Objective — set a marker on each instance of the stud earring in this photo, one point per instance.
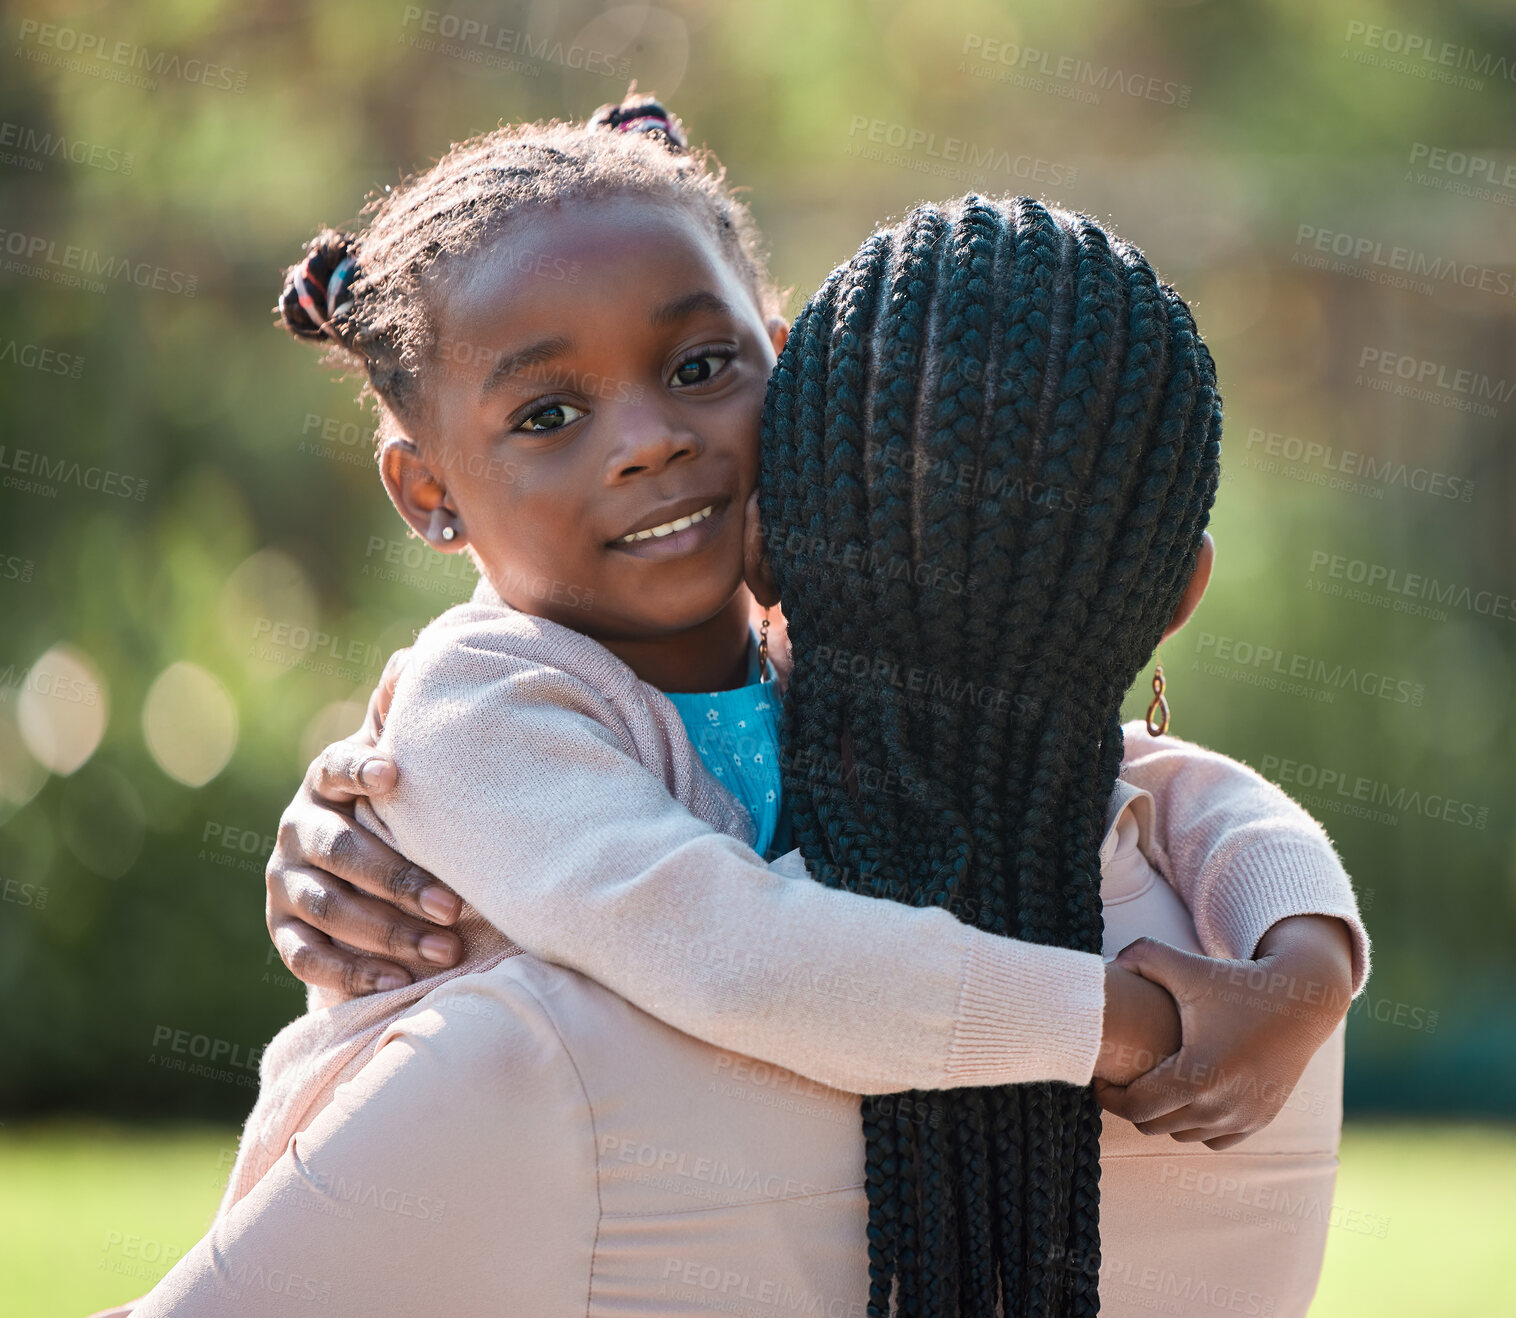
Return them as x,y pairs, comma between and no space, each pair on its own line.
1158,711
448,533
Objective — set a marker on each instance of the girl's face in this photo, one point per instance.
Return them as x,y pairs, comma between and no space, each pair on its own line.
600,375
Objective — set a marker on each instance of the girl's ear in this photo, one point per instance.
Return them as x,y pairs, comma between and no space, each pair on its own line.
1205,560
417,494
755,561
779,332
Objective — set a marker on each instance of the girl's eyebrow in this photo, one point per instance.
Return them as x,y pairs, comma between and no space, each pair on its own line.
534,355
687,305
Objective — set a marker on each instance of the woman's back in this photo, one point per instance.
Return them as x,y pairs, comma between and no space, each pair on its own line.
526,1141
1187,1229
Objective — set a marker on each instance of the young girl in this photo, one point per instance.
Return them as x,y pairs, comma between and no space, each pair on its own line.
547,780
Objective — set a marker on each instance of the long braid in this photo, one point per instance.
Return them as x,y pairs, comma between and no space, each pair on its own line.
977,650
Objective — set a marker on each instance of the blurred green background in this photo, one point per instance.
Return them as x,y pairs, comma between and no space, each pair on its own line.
200,576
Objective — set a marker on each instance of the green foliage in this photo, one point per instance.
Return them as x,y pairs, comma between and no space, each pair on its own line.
149,914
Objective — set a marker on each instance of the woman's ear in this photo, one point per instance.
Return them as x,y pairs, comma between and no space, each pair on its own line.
417,494
755,559
1200,578
779,332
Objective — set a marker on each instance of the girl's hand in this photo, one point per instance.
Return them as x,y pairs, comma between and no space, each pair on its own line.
1250,1028
324,863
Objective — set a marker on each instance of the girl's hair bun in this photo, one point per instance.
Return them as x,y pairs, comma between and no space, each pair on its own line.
319,290
641,114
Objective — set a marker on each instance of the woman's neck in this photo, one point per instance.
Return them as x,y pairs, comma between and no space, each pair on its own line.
711,656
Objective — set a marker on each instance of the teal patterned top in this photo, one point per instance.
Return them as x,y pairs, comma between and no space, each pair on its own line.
736,735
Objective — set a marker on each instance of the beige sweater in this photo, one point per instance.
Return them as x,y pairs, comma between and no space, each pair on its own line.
525,1142
560,797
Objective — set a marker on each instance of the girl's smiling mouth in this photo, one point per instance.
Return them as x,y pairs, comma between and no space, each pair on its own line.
678,529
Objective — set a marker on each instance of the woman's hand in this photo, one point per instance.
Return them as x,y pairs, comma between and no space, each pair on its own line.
1250,1028
332,882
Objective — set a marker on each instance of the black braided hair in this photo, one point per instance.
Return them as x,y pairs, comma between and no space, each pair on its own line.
467,198
990,448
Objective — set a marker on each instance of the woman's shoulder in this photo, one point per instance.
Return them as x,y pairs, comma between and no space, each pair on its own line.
522,1011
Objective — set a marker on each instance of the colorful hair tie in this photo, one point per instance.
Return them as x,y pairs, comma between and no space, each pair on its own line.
337,285
308,289
305,290
645,122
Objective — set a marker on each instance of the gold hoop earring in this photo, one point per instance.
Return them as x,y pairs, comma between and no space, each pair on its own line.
763,650
1158,711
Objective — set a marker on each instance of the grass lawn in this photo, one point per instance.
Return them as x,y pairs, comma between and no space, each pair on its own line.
91,1215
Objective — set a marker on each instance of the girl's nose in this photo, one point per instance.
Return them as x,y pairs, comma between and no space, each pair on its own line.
646,443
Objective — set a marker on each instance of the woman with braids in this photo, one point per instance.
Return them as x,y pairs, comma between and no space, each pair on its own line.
588,1115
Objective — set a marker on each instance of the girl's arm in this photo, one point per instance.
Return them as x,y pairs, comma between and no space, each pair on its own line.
518,787
1240,853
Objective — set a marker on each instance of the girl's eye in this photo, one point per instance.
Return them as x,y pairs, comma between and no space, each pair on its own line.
554,417
697,370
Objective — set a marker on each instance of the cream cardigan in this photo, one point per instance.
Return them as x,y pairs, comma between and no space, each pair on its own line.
525,1142
560,797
